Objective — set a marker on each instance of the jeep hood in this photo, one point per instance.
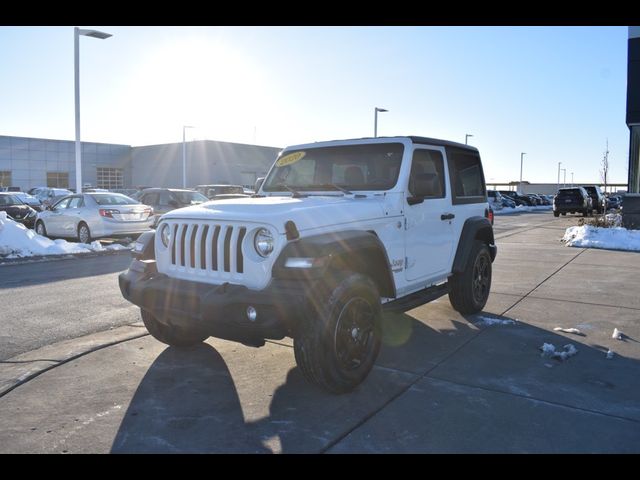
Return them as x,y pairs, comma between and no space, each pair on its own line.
307,212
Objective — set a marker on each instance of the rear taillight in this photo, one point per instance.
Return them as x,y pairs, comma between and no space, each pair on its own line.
488,213
108,212
148,211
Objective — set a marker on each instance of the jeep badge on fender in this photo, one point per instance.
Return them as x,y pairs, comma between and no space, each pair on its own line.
338,233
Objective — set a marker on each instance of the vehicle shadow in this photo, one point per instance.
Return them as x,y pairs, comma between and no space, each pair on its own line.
188,401
37,273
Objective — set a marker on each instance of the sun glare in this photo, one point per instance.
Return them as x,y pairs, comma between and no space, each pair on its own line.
198,82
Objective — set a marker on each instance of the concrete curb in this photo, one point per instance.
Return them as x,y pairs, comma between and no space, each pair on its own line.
22,368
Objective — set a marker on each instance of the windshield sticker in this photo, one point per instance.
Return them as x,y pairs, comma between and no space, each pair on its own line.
289,159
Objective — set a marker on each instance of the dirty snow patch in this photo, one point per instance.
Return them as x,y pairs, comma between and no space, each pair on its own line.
615,238
489,321
549,351
617,334
567,330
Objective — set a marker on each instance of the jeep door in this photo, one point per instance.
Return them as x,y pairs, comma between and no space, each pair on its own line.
428,228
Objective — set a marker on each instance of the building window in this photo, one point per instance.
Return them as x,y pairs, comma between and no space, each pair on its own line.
110,178
58,179
5,179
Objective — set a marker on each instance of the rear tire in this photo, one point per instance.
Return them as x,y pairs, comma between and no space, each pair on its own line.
337,344
469,290
556,214
174,336
84,234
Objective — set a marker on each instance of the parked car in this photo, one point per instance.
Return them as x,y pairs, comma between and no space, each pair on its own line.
495,199
88,216
614,202
163,200
572,200
49,196
213,191
30,200
516,197
17,209
598,199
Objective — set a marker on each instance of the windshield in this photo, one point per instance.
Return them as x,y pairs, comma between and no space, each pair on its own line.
190,197
351,167
113,199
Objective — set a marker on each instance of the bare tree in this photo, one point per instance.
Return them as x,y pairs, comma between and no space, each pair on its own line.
604,172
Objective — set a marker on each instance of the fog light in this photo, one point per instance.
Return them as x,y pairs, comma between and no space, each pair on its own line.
252,313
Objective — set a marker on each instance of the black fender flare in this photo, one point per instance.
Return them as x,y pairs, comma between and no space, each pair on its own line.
356,250
475,228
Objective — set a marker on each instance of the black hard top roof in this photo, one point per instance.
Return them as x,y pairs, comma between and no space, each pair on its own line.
444,143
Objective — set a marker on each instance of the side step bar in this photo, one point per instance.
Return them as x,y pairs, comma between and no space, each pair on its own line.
416,299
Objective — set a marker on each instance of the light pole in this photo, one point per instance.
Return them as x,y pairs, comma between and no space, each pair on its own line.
184,156
76,57
375,120
564,181
466,136
572,179
559,163
522,154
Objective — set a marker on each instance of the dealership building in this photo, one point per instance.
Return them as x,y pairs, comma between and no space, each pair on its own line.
32,162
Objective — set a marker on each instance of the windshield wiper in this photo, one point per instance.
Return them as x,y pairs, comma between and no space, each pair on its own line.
296,194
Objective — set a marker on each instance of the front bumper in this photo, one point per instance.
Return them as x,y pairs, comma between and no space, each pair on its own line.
217,310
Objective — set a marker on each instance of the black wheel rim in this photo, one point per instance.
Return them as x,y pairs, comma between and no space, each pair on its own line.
481,278
353,339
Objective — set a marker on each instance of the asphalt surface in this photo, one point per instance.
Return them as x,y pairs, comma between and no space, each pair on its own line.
442,383
50,301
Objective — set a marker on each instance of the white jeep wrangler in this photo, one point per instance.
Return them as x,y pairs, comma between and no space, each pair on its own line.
338,232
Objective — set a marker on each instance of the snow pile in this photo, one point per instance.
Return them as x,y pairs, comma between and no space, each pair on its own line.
522,209
549,351
616,238
613,219
568,330
17,241
617,334
489,321
610,354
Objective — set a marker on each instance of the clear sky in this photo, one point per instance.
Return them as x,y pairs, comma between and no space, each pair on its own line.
556,93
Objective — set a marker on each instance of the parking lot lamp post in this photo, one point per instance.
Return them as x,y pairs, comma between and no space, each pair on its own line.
522,154
564,181
572,179
559,163
184,156
76,70
466,137
375,120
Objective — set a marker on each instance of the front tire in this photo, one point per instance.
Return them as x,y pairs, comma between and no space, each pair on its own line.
556,214
174,336
338,342
40,228
469,290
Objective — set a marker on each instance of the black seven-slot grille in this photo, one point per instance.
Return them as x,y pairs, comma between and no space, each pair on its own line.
211,247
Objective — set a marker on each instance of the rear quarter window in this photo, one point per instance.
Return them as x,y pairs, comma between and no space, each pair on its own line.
467,177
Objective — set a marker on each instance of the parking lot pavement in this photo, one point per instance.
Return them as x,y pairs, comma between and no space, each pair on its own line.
442,383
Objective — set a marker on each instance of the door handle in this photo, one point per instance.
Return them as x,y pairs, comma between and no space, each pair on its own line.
447,216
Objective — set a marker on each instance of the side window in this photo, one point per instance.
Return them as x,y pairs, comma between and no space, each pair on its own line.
467,179
150,199
75,202
61,205
427,174
164,199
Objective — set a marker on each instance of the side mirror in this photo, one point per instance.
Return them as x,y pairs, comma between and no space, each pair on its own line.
258,184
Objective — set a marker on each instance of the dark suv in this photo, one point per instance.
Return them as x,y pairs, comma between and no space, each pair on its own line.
572,200
163,200
597,198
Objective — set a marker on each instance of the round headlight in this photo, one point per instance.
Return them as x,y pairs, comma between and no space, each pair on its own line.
263,242
165,235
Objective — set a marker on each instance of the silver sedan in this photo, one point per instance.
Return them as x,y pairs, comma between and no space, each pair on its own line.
94,215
